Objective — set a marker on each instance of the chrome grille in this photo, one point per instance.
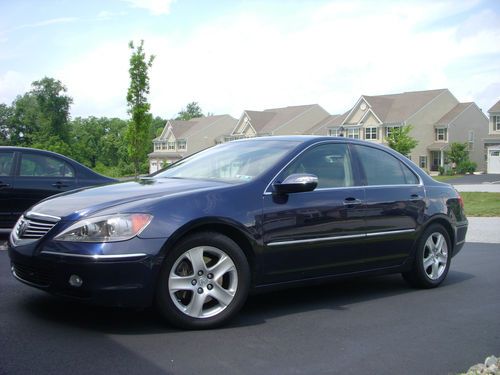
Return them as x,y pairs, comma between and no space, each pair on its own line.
31,228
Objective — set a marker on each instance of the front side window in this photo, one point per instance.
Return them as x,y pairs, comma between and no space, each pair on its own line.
382,168
34,165
6,159
331,163
371,133
441,134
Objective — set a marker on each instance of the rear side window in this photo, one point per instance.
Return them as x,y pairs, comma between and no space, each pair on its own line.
6,159
34,165
381,168
331,163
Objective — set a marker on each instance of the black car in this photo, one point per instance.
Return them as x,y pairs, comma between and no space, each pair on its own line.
29,175
242,216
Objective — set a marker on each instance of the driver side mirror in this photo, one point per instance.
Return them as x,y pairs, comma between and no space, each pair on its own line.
297,183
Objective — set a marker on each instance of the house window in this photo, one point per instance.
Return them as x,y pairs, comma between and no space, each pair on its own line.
181,145
422,162
171,145
441,135
496,123
333,132
163,146
371,133
470,142
353,133
389,130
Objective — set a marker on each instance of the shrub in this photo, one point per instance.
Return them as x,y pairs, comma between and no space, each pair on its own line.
466,166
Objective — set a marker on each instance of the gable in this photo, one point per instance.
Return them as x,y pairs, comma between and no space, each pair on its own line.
358,112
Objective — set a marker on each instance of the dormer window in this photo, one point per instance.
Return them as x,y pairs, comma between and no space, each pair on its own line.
441,135
171,145
181,145
496,123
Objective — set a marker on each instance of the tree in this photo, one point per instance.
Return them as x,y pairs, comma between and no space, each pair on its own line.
138,128
459,156
6,113
192,110
401,141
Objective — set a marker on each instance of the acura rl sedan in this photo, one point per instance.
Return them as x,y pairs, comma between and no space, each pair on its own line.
240,217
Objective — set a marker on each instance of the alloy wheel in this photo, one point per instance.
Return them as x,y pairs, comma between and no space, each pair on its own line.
435,256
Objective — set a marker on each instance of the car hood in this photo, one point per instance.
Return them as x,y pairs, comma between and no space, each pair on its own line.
88,201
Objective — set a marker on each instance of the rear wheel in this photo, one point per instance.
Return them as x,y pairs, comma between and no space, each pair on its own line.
432,258
204,281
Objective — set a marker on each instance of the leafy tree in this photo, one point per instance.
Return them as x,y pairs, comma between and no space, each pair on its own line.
459,156
401,141
25,120
138,128
192,110
87,137
53,106
6,113
156,127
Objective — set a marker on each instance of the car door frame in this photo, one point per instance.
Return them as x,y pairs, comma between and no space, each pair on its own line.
11,179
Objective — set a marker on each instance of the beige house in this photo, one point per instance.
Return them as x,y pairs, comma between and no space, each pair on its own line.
437,118
277,121
183,138
492,140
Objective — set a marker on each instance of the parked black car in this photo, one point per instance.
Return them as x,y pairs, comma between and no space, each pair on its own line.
242,216
29,175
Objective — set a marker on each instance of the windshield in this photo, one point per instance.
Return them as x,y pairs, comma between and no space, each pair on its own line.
231,162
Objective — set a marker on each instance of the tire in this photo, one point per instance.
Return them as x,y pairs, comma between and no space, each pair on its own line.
437,257
204,281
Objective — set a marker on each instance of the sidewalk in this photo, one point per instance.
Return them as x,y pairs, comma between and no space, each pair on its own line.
484,229
488,188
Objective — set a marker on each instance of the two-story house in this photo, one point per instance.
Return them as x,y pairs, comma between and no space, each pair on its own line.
436,116
277,121
183,138
492,141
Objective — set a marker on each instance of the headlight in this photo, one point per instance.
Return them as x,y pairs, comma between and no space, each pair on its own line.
106,228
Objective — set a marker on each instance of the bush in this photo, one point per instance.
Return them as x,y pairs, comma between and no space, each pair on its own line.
466,166
441,171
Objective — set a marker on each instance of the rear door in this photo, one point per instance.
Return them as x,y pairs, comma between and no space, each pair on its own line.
6,182
40,176
395,204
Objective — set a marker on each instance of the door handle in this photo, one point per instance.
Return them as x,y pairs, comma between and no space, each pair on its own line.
3,185
415,197
352,201
59,184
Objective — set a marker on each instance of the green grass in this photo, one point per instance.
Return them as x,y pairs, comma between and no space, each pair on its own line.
446,178
481,204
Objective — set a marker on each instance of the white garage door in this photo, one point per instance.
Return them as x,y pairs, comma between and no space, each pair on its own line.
493,160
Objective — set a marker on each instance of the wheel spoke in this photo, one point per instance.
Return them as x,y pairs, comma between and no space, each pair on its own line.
225,264
439,243
176,283
195,307
429,244
435,270
428,262
223,296
442,258
195,256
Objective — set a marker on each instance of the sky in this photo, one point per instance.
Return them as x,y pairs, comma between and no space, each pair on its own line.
231,55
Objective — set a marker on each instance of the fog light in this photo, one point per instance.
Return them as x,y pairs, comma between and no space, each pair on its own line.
75,280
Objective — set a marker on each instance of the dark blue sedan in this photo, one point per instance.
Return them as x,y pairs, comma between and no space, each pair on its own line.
28,175
243,216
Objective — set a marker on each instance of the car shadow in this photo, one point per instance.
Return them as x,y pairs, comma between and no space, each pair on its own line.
336,296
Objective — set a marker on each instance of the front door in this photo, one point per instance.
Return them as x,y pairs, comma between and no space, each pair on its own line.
316,233
39,177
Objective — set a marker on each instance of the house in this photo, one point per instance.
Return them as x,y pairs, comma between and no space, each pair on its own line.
183,138
492,141
436,116
277,121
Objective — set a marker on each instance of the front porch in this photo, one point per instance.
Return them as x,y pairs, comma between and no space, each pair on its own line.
437,156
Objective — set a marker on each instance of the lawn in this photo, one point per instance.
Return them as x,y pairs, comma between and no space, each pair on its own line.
481,204
446,178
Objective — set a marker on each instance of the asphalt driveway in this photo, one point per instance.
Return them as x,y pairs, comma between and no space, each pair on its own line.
360,326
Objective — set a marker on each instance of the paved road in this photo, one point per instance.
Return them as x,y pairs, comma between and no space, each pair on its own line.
362,326
473,179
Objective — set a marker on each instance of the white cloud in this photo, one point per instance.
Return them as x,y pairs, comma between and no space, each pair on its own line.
12,83
331,57
155,7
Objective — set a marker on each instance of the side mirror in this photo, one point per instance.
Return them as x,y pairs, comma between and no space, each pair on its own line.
297,183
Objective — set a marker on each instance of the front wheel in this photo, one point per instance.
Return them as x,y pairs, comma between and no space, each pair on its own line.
204,281
432,258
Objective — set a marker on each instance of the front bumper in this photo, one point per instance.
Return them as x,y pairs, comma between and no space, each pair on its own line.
114,280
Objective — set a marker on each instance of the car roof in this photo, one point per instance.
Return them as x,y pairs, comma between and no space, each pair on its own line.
18,148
